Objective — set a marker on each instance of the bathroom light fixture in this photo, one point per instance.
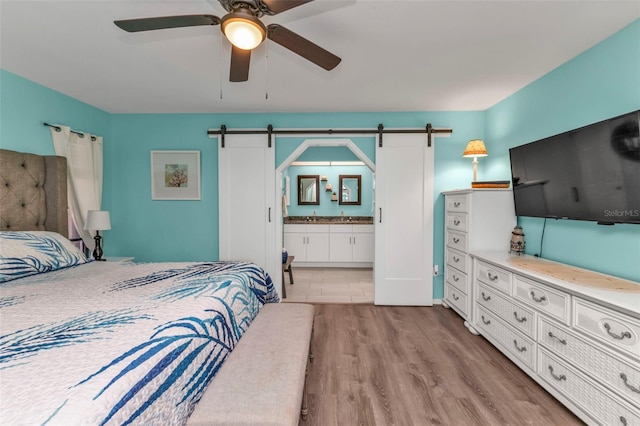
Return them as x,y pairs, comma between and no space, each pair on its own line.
475,148
97,220
243,30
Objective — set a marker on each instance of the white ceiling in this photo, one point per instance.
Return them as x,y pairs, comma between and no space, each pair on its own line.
396,55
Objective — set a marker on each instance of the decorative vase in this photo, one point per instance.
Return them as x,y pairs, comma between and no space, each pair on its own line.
285,255
517,241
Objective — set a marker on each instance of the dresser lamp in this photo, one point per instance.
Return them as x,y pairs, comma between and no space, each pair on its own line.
97,220
475,148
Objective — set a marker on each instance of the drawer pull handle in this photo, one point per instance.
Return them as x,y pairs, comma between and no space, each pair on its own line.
456,204
456,222
625,379
455,278
523,319
537,299
625,335
558,378
455,297
486,322
520,349
491,276
456,240
623,421
553,336
456,259
485,298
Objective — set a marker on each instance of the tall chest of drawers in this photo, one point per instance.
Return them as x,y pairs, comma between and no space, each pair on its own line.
474,219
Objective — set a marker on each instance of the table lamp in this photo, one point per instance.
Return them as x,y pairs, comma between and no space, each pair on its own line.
97,220
475,148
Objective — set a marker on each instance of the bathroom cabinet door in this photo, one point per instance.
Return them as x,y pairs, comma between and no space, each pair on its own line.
340,247
317,247
296,245
363,247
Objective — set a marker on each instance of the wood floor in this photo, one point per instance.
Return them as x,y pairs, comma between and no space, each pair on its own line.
378,365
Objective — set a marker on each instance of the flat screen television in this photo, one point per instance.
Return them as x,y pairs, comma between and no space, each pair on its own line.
591,173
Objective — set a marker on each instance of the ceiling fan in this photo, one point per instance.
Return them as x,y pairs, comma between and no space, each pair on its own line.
243,28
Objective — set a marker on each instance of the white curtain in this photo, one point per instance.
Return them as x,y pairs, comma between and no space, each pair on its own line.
84,175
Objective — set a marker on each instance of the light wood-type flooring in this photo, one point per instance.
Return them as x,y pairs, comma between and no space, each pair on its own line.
381,365
330,285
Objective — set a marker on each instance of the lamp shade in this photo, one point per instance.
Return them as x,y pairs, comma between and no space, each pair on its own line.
243,30
97,220
475,148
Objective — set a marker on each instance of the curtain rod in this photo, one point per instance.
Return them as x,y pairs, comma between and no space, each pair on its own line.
428,129
59,129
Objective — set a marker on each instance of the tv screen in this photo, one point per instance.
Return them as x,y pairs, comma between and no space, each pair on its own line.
591,173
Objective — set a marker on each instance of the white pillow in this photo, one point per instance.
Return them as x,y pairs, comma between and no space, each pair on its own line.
35,252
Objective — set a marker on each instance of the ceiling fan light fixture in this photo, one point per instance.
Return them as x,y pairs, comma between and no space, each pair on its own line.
243,30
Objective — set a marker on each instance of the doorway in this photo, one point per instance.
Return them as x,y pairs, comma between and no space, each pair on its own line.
320,284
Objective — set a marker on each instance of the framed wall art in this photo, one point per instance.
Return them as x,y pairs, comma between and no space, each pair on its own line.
175,175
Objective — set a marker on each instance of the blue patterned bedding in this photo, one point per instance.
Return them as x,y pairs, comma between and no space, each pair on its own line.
106,343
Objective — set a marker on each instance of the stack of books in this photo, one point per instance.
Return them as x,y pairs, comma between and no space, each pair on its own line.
491,184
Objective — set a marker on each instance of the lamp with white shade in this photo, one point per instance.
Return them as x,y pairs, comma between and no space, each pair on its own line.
475,148
98,220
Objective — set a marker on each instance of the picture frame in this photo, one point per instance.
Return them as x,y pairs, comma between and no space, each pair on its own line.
175,175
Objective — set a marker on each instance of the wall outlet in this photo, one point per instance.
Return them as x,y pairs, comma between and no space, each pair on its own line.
436,270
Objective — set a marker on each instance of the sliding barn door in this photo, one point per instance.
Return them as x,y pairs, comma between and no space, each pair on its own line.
404,221
246,172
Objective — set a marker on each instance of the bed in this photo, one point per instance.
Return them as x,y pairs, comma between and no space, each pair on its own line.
85,342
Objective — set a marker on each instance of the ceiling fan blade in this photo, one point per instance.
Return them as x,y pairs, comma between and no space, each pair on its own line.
163,22
278,6
303,47
240,60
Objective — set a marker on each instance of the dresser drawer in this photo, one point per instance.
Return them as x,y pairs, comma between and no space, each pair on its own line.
519,345
456,298
585,393
457,240
520,318
597,361
605,325
543,298
457,203
494,276
458,260
457,221
458,279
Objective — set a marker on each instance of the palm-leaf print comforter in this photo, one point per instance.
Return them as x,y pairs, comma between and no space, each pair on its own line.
106,343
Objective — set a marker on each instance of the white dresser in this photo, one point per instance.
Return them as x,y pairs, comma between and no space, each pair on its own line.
578,341
474,219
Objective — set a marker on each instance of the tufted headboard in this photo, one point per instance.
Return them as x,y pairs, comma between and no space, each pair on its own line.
33,192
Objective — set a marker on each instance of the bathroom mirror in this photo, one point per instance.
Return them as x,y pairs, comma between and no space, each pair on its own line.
308,190
350,190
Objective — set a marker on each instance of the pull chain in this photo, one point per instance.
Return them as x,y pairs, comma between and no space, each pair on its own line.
266,91
220,67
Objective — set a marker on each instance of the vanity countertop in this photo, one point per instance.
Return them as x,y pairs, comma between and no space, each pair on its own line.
335,220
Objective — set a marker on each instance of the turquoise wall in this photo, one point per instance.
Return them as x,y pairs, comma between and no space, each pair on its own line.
25,106
188,230
326,206
602,82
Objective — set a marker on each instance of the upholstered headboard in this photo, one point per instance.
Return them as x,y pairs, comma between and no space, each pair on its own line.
33,192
